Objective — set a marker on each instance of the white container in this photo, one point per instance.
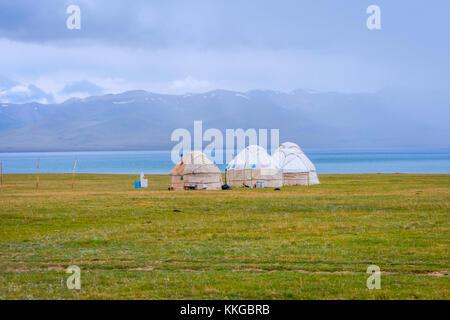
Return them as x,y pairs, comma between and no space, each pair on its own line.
144,182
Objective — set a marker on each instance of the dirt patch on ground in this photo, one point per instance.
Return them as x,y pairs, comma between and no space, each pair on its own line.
149,268
436,274
248,270
431,274
444,273
298,270
25,269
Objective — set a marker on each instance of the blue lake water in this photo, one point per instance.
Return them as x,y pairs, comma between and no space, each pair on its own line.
326,161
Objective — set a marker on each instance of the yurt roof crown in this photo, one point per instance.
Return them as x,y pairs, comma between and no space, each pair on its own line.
195,162
290,157
252,157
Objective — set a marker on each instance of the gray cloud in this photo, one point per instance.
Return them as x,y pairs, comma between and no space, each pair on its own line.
171,46
6,83
314,25
84,87
15,92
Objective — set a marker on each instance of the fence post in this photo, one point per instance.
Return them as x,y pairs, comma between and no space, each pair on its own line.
73,172
37,174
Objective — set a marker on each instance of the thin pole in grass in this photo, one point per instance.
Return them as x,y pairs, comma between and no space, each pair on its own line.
73,172
1,175
37,174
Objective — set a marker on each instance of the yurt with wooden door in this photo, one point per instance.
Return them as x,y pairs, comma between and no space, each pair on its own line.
196,172
254,166
297,169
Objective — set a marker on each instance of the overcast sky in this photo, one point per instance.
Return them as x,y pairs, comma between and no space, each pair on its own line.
196,46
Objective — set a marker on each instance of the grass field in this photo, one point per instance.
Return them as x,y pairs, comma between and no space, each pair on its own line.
298,243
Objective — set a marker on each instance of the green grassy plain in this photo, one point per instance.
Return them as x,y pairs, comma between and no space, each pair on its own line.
298,243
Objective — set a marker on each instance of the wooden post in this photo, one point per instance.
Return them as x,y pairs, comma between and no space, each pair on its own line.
1,175
37,174
73,172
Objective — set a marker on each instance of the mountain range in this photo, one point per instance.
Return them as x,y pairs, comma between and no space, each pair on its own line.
141,120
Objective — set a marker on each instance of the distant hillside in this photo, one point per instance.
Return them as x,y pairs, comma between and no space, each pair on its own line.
140,120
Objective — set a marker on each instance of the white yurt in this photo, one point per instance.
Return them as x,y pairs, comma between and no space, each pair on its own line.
195,171
254,166
298,170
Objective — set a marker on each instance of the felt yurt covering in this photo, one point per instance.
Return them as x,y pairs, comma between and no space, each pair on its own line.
195,169
251,166
297,169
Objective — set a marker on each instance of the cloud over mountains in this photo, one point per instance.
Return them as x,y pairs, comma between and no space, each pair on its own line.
15,92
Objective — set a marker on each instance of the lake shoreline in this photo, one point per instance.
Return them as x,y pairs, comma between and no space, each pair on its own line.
326,161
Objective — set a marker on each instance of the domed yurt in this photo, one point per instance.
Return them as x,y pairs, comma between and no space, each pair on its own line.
195,172
298,170
254,166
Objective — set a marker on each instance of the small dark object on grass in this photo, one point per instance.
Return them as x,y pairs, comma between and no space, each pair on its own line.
277,189
176,210
226,187
148,222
